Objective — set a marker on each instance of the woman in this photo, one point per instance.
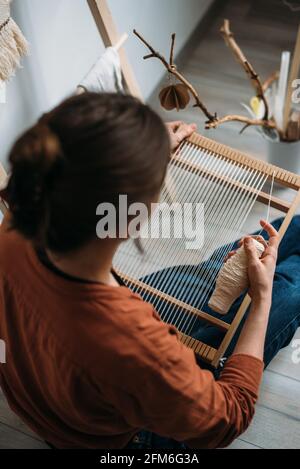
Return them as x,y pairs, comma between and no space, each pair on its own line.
89,364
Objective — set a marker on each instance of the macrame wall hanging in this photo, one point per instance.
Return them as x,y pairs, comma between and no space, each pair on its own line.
13,44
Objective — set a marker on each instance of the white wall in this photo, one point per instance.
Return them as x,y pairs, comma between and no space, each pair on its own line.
64,43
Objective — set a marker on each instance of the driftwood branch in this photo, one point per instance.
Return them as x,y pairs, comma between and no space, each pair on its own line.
243,119
212,120
172,50
268,82
173,71
269,124
254,78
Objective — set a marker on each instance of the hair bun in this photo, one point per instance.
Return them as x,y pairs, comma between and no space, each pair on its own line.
34,160
40,147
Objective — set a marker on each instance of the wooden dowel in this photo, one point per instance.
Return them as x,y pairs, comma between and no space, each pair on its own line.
206,352
169,299
121,41
80,90
263,197
108,32
281,176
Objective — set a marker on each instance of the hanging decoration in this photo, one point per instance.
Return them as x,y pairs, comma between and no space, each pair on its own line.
174,97
13,44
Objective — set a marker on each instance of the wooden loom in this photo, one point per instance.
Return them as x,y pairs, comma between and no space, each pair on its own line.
281,177
110,37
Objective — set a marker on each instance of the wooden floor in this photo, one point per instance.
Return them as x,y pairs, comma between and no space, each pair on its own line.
263,28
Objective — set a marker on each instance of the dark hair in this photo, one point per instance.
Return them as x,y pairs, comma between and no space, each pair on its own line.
88,150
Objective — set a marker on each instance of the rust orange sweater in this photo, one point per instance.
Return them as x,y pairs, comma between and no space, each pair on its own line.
89,365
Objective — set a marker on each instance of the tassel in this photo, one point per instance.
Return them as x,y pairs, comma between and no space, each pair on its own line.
13,44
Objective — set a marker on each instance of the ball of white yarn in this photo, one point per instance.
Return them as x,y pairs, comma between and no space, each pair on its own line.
232,280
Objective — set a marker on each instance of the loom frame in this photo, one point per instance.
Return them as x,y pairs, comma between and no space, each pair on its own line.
282,177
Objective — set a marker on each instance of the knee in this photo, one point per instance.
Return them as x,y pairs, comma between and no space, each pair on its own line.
295,222
294,228
277,223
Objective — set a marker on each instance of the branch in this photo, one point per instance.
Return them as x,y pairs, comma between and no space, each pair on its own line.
268,82
213,121
245,120
173,71
255,80
172,50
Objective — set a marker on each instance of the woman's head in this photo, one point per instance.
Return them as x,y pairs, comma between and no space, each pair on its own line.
87,151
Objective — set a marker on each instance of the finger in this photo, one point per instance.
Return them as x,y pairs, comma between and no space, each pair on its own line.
273,234
270,253
251,251
241,242
229,255
258,238
184,131
174,125
268,228
261,240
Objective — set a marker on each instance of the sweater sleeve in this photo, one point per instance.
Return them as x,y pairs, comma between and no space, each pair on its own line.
162,389
238,390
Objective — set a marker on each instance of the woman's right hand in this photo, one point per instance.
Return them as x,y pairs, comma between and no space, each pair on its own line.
261,270
178,131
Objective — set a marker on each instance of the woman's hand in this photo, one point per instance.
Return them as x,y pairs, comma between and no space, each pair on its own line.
178,131
261,270
261,274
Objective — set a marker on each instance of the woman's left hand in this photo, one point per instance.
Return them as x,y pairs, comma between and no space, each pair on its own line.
258,238
178,131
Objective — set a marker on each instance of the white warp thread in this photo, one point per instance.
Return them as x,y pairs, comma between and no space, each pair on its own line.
105,75
232,280
13,44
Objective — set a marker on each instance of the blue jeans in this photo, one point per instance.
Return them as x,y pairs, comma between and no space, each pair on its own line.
284,316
